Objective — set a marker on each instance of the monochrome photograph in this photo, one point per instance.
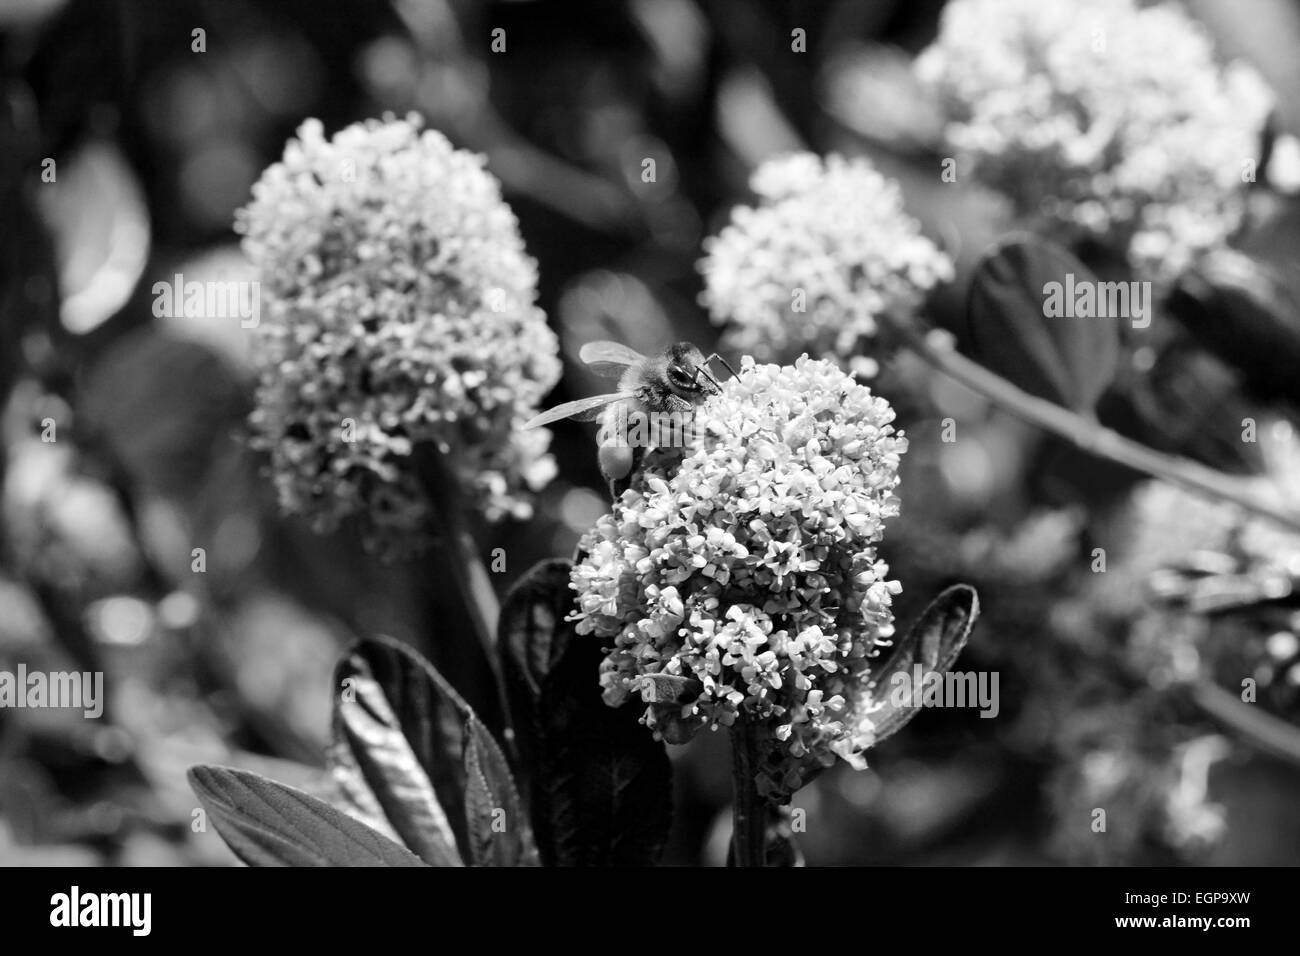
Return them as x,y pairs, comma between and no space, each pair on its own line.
779,434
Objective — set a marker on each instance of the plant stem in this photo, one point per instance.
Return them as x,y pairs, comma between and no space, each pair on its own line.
1270,734
1086,433
749,812
471,577
473,581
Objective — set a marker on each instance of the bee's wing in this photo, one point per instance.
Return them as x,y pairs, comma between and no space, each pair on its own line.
584,409
609,358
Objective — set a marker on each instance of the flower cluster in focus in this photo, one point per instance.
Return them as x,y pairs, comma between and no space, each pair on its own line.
1110,118
745,567
814,265
398,311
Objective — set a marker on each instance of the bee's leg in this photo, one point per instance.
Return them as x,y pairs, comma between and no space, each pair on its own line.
678,404
713,382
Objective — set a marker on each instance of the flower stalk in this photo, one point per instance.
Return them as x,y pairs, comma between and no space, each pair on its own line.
749,810
447,520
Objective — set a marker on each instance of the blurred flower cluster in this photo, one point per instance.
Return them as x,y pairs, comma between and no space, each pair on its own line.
1208,610
1197,597
751,568
399,310
1147,771
1112,119
826,252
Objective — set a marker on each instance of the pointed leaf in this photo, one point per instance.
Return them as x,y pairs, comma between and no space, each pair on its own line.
436,724
934,642
269,824
601,787
500,834
603,793
1067,359
429,714
1247,313
530,635
378,772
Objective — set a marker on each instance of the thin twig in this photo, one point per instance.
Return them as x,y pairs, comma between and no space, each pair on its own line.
1088,434
1268,733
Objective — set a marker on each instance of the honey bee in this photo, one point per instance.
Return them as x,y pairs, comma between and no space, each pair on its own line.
671,382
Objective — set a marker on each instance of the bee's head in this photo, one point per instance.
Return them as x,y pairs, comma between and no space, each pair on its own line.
687,372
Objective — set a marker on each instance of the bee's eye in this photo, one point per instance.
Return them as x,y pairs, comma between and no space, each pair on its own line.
678,376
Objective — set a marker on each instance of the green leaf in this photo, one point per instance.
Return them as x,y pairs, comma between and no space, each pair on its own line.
934,642
603,794
1248,314
378,773
500,834
405,722
601,789
530,635
1070,360
268,824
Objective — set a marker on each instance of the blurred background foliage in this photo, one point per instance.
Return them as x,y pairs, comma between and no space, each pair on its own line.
156,145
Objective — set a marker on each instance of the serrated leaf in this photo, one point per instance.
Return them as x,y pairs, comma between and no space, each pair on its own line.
600,791
933,642
499,831
429,713
378,772
1070,360
1248,314
603,792
269,824
530,635
436,725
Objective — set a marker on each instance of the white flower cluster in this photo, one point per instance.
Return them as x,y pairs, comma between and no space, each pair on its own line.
813,266
745,567
399,311
1112,119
